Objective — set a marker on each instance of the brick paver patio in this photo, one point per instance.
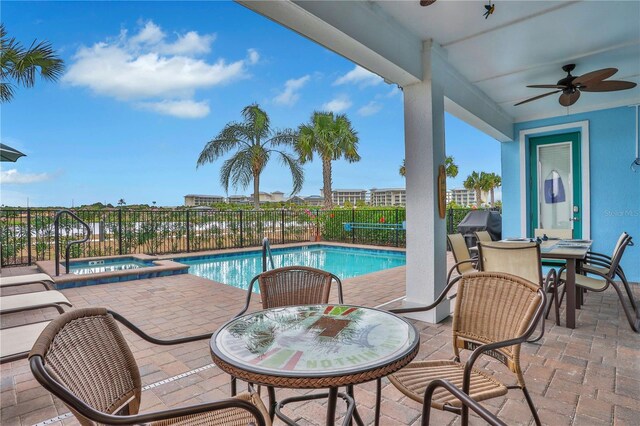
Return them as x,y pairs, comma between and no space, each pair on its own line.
586,376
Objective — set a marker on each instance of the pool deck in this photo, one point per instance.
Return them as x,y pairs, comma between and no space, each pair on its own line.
586,376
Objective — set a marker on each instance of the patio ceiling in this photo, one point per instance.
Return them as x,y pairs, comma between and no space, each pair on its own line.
522,43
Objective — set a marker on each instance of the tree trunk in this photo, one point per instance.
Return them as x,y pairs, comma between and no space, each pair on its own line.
326,182
478,197
492,199
256,191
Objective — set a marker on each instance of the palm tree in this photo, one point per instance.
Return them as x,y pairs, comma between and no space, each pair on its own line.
451,168
332,138
491,182
20,64
475,182
254,142
121,202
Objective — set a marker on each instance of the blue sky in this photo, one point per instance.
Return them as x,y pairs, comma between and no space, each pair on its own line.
147,84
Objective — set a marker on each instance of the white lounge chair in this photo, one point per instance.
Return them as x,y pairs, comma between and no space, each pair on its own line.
16,342
20,280
30,301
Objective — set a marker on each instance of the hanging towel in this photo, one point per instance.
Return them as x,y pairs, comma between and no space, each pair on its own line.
554,189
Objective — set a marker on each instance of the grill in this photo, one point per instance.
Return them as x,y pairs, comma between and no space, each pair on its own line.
480,220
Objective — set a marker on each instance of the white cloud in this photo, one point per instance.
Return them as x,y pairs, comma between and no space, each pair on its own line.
180,109
359,76
15,177
370,109
338,104
253,56
395,91
147,67
290,94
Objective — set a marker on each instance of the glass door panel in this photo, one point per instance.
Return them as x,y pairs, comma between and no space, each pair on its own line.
555,180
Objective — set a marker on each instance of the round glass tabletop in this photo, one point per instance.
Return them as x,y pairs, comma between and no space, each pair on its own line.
314,340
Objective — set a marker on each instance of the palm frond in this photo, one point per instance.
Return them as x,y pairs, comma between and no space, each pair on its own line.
286,137
258,120
237,170
297,173
231,137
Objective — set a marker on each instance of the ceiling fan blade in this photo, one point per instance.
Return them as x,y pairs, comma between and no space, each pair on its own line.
592,76
609,86
427,2
548,86
568,99
537,97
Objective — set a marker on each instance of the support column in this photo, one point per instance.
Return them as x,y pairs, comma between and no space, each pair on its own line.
424,152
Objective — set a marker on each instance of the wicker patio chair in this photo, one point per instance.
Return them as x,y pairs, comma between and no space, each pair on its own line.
523,260
494,314
82,358
464,262
291,286
605,277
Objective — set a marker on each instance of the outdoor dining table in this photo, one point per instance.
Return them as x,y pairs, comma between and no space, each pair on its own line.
315,347
573,252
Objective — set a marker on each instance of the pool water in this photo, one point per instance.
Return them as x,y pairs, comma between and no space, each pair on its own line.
108,265
239,268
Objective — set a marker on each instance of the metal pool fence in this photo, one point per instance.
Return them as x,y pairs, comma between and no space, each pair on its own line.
27,235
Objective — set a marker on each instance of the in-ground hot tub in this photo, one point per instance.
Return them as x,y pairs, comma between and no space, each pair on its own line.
112,269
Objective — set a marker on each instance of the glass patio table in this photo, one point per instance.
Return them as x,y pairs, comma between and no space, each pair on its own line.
315,347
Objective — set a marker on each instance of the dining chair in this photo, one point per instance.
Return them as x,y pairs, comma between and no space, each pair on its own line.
521,259
82,358
493,315
605,275
601,262
465,263
291,286
483,236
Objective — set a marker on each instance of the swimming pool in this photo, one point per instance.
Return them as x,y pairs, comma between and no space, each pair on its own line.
237,269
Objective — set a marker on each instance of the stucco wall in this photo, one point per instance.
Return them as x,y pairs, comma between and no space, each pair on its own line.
614,188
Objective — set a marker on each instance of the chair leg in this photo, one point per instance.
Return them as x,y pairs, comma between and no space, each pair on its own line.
556,304
634,322
531,406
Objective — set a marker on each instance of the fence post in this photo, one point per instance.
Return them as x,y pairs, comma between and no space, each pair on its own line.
120,230
318,224
188,233
282,226
29,235
353,231
450,221
241,230
397,230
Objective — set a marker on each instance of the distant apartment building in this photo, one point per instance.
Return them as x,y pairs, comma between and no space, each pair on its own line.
239,199
388,197
202,200
314,200
340,196
464,197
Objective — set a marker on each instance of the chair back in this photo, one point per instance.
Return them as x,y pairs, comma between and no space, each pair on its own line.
617,255
296,285
460,252
483,236
621,239
83,352
493,307
563,234
521,259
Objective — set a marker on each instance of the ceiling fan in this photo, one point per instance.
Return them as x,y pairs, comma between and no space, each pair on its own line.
572,85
